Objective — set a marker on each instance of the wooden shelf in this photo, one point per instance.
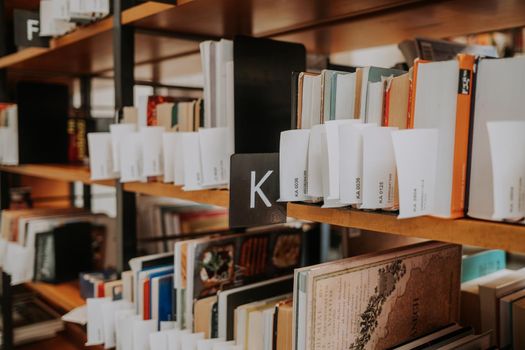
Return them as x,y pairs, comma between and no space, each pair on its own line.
466,231
65,296
213,197
57,172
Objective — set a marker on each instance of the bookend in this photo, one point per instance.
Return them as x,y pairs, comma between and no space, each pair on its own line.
262,85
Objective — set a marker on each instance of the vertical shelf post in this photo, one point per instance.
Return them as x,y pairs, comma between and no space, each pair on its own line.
85,106
4,95
7,312
124,61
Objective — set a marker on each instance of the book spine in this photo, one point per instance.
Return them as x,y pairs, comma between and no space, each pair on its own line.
386,105
461,142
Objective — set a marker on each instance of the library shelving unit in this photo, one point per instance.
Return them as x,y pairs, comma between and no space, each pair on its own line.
143,42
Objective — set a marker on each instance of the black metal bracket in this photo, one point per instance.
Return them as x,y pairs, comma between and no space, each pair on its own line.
124,64
7,312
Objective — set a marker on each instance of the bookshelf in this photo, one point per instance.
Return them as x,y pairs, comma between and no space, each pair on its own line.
64,296
166,39
69,173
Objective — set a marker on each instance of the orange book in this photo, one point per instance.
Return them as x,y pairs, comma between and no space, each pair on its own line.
147,300
429,107
412,94
459,178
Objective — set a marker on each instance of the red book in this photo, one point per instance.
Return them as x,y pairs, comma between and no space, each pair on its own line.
147,301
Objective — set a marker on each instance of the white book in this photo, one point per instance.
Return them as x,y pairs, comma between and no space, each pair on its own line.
189,341
108,316
142,110
311,101
230,107
178,160
268,316
435,107
330,159
223,56
315,179
124,320
192,161
158,341
168,153
293,165
207,50
131,158
175,338
416,160
507,149
100,156
345,96
95,321
374,102
152,150
215,156
379,168
141,331
117,132
351,162
207,344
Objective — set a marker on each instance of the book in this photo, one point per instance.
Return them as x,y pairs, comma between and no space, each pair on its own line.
450,113
470,312
309,102
437,338
482,263
428,274
229,300
518,324
498,97
489,295
396,101
282,335
505,317
202,318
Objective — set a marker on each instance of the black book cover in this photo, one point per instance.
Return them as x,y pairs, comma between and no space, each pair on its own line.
262,84
42,122
294,99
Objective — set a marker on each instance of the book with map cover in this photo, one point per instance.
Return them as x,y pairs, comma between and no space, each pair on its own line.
378,300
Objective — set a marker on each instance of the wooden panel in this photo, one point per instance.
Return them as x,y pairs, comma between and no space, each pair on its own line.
462,231
64,296
429,19
47,193
213,197
258,17
56,172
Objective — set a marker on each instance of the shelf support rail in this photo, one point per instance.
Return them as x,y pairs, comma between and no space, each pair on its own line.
124,61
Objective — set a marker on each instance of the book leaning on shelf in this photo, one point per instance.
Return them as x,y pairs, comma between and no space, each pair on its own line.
355,151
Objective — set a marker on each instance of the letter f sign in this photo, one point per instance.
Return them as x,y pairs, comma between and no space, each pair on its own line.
257,189
32,27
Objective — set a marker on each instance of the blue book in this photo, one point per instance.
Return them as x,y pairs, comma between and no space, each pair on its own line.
481,264
162,297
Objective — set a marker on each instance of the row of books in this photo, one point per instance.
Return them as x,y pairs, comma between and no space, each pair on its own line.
168,287
161,219
188,143
204,300
58,17
55,245
350,147
493,298
32,319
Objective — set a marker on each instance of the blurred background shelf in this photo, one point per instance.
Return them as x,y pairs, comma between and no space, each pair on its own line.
60,172
64,296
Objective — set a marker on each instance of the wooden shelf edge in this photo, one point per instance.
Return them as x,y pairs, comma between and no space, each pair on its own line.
216,197
59,172
142,11
65,296
486,234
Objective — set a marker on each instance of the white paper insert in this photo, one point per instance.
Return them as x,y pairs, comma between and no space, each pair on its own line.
293,165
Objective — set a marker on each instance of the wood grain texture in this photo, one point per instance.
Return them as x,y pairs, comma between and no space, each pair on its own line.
214,197
466,231
59,172
64,296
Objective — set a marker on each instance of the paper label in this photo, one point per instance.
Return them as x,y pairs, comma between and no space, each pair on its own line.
293,165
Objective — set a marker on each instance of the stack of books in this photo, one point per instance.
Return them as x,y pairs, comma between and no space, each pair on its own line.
352,147
58,17
55,245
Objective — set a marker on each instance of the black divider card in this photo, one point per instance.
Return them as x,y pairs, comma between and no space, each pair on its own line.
27,29
262,85
254,190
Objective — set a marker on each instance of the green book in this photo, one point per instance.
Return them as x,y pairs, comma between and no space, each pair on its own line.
481,264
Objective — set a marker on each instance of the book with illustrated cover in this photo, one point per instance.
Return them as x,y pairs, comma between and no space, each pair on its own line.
377,300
